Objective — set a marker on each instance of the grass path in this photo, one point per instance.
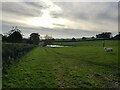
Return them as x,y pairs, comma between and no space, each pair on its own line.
64,67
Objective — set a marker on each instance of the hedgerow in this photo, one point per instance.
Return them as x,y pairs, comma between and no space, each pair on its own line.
11,52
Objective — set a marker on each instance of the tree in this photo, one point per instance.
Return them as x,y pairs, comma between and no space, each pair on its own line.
104,35
4,38
73,39
14,35
48,40
34,38
117,37
93,37
47,37
83,38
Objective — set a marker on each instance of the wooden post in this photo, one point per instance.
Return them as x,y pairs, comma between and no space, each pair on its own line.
103,43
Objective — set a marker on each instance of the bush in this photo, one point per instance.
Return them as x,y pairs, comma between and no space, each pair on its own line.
11,53
48,42
44,44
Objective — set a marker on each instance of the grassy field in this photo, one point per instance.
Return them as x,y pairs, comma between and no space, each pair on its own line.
84,65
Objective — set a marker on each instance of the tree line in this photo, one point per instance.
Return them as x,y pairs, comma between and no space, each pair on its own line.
15,36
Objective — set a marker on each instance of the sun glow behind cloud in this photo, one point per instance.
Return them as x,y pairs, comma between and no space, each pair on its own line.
46,20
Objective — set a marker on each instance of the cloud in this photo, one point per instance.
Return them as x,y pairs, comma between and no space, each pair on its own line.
89,11
110,14
55,14
59,25
55,33
23,9
97,14
65,18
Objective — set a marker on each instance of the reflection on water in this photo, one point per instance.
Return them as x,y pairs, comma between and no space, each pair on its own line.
55,46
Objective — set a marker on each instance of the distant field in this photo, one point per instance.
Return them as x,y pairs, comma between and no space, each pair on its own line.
98,43
84,65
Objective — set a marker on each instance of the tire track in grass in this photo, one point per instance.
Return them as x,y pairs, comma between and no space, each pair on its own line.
61,70
57,66
72,77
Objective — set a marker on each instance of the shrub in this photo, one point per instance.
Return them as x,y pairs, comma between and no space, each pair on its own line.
11,52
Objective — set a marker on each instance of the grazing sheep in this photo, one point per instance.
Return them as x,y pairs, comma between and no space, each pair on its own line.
108,49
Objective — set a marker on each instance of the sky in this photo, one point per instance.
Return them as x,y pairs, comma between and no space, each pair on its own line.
60,19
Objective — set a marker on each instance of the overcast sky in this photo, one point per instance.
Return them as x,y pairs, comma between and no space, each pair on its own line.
61,19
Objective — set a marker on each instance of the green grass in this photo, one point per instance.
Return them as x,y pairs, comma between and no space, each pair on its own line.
86,65
90,43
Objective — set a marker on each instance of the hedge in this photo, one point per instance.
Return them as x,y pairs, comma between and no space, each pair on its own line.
11,52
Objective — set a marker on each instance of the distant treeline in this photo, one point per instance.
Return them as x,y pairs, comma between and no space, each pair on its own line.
15,36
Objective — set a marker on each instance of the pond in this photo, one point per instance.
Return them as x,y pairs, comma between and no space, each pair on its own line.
55,46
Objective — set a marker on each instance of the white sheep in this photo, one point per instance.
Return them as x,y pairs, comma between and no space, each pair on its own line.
108,49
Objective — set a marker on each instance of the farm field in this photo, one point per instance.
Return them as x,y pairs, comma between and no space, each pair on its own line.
82,65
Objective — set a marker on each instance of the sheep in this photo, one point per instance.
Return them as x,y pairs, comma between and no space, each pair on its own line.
108,49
